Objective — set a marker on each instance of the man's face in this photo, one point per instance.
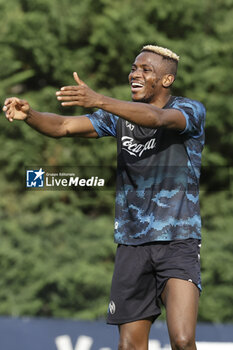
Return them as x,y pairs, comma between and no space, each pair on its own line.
145,77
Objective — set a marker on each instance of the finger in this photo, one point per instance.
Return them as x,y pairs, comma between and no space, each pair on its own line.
26,108
68,98
67,104
10,113
7,109
77,79
13,100
9,116
67,93
10,100
69,88
9,119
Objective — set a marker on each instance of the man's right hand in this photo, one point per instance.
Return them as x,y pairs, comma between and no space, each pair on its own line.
16,109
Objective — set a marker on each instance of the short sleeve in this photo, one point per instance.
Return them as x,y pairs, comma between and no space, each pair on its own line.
104,123
194,113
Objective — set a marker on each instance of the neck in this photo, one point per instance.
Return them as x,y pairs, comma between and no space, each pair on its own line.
162,100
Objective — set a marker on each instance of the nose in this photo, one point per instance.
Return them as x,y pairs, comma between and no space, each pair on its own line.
137,73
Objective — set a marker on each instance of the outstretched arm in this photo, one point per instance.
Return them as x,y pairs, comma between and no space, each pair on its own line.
49,124
143,114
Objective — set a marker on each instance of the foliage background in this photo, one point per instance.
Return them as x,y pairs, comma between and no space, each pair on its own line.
57,251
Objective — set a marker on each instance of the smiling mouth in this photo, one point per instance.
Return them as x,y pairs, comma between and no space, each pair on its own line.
135,86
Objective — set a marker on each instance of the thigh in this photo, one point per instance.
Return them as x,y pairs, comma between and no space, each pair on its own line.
133,288
135,335
180,260
181,299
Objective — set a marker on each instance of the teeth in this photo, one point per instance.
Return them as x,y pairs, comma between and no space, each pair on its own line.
136,85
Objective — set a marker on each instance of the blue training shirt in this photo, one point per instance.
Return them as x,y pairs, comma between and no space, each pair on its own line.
157,194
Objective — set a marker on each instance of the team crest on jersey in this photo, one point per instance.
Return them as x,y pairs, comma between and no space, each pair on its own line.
112,307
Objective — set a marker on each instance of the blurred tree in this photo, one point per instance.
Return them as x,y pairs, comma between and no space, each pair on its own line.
57,253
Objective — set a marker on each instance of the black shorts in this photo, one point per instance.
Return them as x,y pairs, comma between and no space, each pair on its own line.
141,273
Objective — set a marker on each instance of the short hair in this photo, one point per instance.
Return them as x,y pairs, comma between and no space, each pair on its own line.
162,51
171,58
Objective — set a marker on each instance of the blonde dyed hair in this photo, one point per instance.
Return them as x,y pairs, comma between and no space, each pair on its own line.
166,53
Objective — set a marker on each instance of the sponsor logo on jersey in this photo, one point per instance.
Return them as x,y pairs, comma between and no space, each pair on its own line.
136,149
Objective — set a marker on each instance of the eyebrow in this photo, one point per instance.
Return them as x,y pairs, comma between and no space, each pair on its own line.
143,65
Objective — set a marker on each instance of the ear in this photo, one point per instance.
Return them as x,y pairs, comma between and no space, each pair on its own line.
167,80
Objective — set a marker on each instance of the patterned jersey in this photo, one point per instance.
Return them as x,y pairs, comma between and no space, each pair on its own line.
157,194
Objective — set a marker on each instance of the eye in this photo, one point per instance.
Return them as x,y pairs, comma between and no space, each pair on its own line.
147,70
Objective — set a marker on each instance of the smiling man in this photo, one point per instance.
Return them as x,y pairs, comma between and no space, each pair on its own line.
157,225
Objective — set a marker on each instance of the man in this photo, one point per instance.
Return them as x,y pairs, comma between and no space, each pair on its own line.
157,227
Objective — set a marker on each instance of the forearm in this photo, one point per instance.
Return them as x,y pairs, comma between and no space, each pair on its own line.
46,123
143,114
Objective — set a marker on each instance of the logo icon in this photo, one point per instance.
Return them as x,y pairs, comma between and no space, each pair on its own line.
35,178
112,307
130,126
